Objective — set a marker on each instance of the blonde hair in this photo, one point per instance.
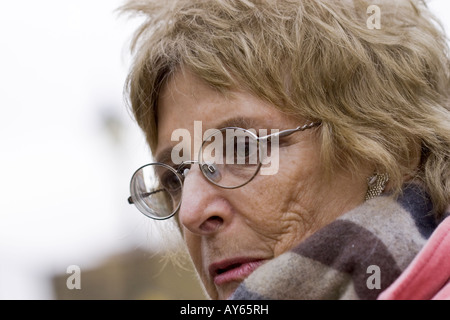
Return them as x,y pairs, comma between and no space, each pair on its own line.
382,95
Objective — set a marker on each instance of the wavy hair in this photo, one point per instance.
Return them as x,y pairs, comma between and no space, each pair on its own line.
382,95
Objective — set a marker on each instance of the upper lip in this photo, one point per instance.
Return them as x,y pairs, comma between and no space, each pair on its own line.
224,265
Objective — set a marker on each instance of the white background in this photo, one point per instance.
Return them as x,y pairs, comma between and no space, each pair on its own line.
64,172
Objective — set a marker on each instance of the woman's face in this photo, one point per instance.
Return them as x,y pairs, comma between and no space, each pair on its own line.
231,232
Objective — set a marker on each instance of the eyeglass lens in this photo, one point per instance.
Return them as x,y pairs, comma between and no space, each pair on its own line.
228,158
156,190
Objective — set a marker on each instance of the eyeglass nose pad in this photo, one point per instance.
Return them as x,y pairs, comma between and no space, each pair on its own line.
210,167
211,172
185,172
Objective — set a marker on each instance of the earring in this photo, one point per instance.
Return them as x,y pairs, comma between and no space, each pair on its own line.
376,185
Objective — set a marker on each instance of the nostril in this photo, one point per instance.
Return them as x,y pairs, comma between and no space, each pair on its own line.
211,224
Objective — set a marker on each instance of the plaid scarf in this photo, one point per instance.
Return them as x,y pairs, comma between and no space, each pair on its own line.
357,256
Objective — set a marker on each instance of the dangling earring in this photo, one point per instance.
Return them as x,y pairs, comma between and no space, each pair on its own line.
376,185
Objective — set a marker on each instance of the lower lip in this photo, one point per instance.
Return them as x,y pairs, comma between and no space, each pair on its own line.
237,274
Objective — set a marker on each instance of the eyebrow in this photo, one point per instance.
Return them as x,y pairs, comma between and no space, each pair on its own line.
165,156
240,122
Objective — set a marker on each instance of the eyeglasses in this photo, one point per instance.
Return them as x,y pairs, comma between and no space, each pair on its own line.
228,158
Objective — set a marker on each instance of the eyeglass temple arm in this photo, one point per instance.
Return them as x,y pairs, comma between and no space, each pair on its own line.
145,194
280,134
288,132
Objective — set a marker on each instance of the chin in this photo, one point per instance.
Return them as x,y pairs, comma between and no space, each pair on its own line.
226,293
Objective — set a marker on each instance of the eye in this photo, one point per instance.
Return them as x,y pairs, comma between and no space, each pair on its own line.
170,181
245,149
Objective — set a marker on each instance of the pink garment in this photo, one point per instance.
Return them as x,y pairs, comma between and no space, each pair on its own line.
428,275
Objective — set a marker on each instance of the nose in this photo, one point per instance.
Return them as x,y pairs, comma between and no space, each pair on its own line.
204,208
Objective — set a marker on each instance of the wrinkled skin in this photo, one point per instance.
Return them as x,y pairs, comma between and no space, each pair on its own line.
272,213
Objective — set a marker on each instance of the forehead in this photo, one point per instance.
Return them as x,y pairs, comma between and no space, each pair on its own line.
186,101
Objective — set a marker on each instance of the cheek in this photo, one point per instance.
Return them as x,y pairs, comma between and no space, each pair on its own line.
273,213
282,207
194,246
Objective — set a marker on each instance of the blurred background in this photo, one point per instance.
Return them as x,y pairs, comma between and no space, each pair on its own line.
68,147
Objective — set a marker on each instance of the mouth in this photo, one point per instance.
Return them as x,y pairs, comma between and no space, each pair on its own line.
236,269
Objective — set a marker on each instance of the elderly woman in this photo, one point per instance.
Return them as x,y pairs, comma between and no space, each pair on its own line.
302,147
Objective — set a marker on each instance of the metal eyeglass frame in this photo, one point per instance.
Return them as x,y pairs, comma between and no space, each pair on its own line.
181,174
